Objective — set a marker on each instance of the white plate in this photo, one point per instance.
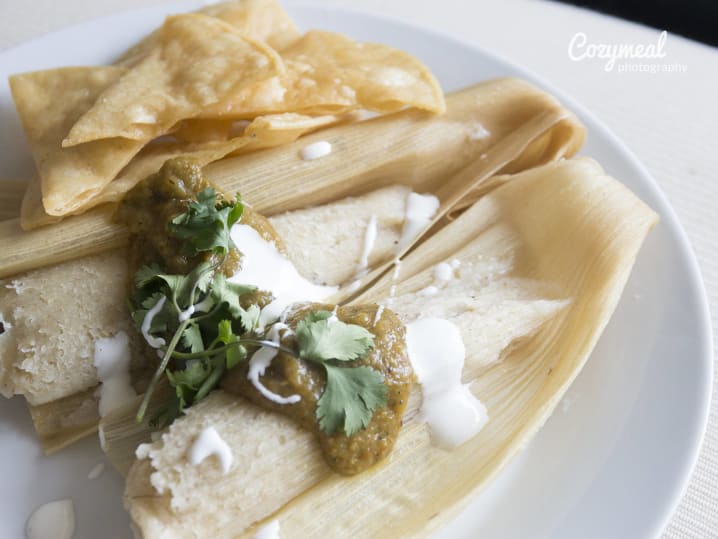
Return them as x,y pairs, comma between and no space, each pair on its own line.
611,462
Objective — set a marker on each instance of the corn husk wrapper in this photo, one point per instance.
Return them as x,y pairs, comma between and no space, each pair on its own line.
566,224
488,128
386,152
62,422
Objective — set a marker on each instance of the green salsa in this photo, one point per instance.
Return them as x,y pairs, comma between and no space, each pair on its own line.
148,209
288,375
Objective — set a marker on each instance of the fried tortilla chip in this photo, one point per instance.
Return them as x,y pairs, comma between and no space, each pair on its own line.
328,73
32,212
200,61
267,131
263,132
261,20
49,103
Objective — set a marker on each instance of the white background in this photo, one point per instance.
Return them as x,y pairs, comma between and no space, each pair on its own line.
668,119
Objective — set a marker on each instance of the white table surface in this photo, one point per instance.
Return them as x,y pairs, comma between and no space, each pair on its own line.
668,119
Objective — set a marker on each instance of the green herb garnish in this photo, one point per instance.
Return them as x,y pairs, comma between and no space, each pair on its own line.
351,394
205,329
202,318
207,223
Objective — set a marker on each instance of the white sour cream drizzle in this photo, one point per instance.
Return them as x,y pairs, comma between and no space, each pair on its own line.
54,520
316,150
112,361
437,354
262,359
392,291
269,531
201,307
208,443
266,268
420,209
154,342
430,290
369,239
378,314
443,273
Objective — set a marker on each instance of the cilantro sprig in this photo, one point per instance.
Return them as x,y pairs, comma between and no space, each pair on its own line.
351,394
204,329
206,224
201,319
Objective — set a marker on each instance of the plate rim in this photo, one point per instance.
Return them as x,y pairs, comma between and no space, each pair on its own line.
668,214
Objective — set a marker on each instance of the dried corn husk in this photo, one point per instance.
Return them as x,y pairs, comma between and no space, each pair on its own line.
567,225
64,421
495,126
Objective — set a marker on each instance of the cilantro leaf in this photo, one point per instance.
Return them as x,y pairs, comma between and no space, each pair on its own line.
321,339
206,224
178,288
145,275
192,339
223,291
236,352
199,349
350,397
187,382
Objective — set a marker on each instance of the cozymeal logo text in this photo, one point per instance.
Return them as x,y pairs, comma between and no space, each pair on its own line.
624,55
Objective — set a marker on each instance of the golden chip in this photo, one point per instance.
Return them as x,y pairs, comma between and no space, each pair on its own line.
266,130
261,20
263,132
49,103
200,61
329,73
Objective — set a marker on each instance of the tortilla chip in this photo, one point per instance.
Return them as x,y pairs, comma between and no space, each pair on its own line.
49,103
279,129
200,61
328,73
261,20
209,129
267,131
32,212
264,132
